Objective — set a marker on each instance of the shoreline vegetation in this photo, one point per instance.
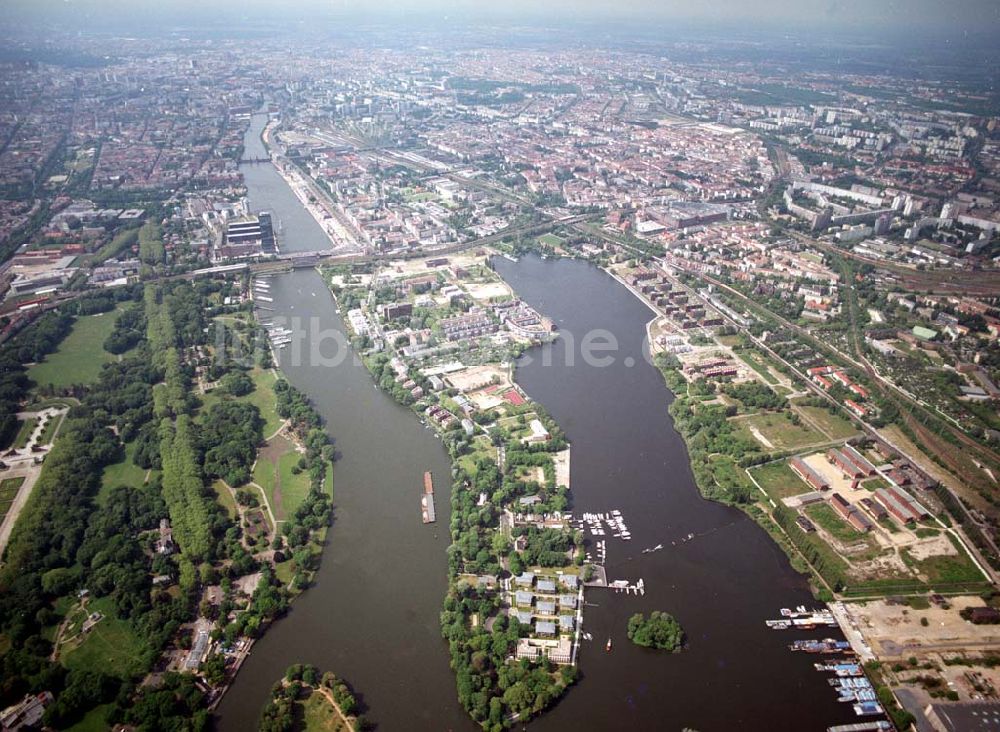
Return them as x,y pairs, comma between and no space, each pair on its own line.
723,460
141,552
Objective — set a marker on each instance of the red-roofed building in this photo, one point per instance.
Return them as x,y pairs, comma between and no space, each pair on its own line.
843,378
859,391
851,470
855,407
858,459
807,474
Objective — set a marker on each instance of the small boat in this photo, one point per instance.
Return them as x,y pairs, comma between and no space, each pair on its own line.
608,646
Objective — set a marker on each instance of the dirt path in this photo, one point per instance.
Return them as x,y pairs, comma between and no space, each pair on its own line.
263,494
276,495
760,437
277,431
329,697
62,628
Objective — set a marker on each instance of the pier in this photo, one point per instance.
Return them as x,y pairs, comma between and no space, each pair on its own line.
427,500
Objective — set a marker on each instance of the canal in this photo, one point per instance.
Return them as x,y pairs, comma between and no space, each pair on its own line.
372,616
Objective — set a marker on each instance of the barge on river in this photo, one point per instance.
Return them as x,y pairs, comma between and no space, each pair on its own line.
427,500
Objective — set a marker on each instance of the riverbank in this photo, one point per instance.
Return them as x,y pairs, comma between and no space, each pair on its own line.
287,537
308,194
757,441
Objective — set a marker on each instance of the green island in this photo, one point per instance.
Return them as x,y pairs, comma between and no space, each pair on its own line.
306,700
145,559
516,566
660,630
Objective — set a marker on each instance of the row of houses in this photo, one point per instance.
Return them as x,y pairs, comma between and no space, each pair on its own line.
472,325
546,584
807,474
441,415
851,514
529,604
853,464
901,504
548,604
825,376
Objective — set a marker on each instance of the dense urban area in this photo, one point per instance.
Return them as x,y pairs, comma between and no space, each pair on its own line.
817,250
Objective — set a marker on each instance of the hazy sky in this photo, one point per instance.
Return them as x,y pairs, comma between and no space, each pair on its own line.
949,16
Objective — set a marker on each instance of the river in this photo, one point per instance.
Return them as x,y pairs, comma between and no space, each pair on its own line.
372,616
721,585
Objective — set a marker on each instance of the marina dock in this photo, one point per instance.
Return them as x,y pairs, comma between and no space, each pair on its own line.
427,500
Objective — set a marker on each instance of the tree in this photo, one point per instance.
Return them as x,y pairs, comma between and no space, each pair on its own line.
660,630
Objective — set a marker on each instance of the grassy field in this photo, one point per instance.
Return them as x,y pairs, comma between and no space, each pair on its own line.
833,425
943,570
550,240
265,475
873,484
94,721
319,716
8,492
262,396
778,480
9,488
24,433
285,490
284,571
825,516
124,473
111,646
758,364
80,356
482,448
225,498
777,428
